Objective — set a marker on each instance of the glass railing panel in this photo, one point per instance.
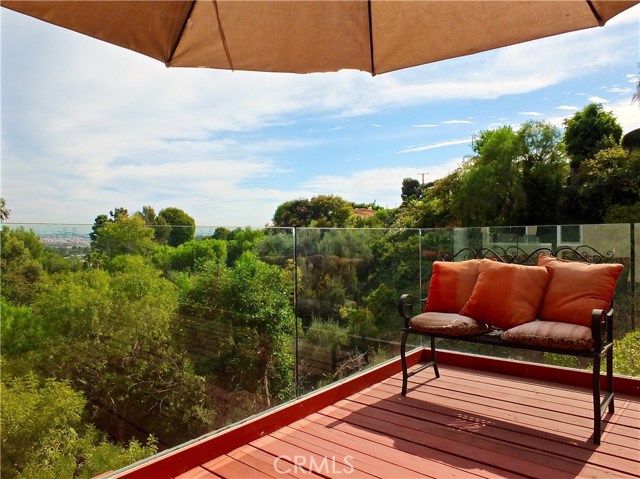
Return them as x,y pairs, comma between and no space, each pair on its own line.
348,287
150,340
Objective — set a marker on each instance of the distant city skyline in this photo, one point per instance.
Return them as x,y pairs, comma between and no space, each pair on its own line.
87,126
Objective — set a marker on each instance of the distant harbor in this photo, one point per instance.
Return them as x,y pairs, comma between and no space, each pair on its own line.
58,236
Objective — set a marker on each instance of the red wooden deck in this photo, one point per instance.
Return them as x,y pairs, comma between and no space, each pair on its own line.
467,424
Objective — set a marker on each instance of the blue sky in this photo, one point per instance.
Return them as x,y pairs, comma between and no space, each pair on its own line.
87,126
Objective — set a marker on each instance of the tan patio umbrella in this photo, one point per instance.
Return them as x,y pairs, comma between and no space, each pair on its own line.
304,36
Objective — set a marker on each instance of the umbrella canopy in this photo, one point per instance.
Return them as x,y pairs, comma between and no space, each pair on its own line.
304,36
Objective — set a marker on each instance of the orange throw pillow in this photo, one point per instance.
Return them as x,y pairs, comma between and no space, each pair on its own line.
576,289
506,295
451,285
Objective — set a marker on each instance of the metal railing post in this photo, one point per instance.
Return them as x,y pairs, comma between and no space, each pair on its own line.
295,310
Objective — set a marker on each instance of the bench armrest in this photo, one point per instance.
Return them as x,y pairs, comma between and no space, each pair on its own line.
405,308
602,327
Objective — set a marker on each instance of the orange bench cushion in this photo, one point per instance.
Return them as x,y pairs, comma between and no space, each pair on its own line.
451,285
506,295
447,323
576,289
551,334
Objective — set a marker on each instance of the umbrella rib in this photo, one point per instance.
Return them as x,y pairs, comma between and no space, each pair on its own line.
373,66
174,47
595,13
222,37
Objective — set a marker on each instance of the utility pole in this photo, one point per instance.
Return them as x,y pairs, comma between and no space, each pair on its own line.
422,175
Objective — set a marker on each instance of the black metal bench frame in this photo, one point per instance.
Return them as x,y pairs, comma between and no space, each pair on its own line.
601,328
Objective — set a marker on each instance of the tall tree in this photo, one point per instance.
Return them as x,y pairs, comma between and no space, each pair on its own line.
22,272
611,179
161,229
544,170
182,226
411,190
322,211
124,235
293,214
587,131
491,190
250,306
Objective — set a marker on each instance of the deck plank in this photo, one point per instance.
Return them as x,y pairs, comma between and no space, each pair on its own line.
229,468
315,458
198,473
269,463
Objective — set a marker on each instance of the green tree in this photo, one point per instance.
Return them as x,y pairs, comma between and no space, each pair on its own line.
491,190
22,273
45,436
182,226
102,220
544,170
124,235
240,240
329,211
322,211
411,189
111,334
295,213
22,331
190,255
611,179
75,305
589,130
158,224
250,306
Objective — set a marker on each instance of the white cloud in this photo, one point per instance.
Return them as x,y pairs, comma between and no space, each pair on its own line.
530,113
597,99
375,125
458,122
627,114
439,144
428,125
382,185
619,90
567,108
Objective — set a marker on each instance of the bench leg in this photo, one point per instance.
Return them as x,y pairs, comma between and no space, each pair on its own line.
434,360
610,378
403,359
597,410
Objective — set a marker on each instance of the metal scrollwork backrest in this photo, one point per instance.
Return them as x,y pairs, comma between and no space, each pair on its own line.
516,255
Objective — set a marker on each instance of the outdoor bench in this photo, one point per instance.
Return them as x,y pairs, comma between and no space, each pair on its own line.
555,306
